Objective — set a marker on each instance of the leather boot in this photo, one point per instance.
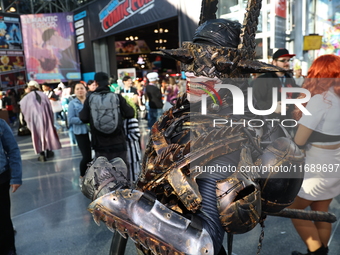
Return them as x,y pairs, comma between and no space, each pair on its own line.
321,251
42,157
49,154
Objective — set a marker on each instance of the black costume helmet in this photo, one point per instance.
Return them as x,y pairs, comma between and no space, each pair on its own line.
222,48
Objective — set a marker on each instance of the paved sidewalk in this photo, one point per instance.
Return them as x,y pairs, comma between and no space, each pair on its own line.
50,216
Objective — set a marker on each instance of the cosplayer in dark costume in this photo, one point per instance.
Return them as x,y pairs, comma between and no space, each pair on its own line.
176,207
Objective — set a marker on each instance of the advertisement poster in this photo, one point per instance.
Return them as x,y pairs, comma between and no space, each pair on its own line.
10,34
331,41
12,69
11,63
12,60
126,72
50,49
13,80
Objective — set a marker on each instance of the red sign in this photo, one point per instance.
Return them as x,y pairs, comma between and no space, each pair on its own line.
116,12
280,8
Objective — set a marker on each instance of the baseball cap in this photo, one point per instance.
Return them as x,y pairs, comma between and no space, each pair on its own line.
101,78
282,53
153,76
33,84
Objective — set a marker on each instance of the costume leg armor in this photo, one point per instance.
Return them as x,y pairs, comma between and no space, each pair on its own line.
133,213
151,224
239,203
244,196
207,187
104,176
280,186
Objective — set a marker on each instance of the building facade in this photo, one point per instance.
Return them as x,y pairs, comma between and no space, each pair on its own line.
114,34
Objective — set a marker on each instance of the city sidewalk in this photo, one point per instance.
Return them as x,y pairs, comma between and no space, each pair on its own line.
50,217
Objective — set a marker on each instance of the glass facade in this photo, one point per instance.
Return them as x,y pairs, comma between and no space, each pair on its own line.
308,17
235,9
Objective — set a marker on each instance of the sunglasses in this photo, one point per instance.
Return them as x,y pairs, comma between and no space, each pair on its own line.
284,60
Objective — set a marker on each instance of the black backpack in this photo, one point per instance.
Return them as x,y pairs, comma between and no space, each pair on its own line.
105,111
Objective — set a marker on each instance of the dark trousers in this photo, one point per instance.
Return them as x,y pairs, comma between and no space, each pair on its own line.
153,116
207,187
84,146
6,226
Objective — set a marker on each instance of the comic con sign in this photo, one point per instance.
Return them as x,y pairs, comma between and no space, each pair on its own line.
118,15
50,49
116,12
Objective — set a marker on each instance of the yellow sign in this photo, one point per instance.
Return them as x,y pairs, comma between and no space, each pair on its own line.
312,42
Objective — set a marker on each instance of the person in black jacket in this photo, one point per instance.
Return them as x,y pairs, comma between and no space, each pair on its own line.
264,84
154,96
107,145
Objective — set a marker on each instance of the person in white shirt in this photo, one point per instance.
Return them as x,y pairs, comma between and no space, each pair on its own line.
319,135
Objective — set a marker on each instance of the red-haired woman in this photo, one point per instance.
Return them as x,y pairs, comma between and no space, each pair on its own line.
319,134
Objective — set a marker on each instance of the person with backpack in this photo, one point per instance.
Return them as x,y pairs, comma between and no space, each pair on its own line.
105,110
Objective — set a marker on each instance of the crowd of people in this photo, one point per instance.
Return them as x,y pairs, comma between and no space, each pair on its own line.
67,102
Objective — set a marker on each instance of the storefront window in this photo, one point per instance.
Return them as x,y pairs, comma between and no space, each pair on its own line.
226,8
235,9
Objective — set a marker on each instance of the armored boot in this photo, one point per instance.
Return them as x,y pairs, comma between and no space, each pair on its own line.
104,176
150,224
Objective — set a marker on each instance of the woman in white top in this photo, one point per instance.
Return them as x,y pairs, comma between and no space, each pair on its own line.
319,135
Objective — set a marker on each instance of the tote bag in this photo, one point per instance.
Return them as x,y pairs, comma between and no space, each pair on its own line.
56,106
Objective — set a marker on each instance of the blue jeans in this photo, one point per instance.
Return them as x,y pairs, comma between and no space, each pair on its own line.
56,123
153,116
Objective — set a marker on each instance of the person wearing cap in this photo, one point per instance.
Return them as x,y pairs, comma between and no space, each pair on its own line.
107,145
154,96
37,110
263,85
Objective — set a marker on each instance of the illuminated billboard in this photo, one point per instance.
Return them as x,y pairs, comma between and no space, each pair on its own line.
50,51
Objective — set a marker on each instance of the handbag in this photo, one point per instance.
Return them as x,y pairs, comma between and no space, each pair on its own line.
56,106
24,131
